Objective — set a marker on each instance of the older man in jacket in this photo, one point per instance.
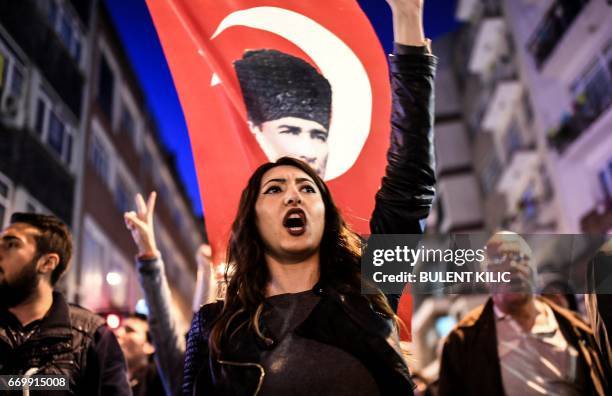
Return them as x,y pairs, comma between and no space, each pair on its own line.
518,344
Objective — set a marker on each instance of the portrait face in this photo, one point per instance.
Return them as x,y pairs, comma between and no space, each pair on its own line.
294,137
290,214
18,264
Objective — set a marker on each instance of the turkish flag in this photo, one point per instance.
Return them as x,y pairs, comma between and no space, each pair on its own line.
203,40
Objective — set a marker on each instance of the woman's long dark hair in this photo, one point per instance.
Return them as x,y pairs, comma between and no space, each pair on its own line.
340,254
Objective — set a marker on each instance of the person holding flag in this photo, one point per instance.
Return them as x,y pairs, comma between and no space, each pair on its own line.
294,319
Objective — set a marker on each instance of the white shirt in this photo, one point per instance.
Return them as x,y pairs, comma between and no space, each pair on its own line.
538,361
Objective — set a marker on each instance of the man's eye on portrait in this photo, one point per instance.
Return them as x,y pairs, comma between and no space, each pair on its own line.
290,130
321,135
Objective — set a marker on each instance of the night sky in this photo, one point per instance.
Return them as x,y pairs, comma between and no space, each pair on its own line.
136,29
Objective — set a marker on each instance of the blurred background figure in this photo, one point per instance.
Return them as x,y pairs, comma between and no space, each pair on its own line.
518,344
166,336
135,341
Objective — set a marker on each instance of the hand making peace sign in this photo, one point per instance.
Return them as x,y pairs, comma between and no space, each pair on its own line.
140,224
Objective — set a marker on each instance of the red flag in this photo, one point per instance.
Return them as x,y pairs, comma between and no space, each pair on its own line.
202,40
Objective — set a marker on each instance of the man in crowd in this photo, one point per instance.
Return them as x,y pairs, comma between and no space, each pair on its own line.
40,333
517,344
135,341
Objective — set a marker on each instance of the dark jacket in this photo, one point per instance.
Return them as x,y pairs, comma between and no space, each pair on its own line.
69,341
147,382
407,190
342,319
345,321
470,363
598,302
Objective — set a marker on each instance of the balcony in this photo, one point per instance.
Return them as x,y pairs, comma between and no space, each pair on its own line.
461,203
29,163
506,98
528,195
489,44
29,28
470,10
515,178
588,108
452,148
552,28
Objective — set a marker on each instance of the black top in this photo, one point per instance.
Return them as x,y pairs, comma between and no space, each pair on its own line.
300,366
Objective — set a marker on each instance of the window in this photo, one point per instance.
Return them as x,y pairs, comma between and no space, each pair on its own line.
56,134
552,28
490,174
126,122
66,25
12,80
147,161
5,195
164,193
527,108
93,267
512,140
605,182
122,196
178,219
528,203
32,205
592,94
99,158
65,30
106,87
41,111
16,83
53,129
53,12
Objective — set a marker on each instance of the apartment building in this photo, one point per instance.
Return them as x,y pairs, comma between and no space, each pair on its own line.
78,140
42,80
523,123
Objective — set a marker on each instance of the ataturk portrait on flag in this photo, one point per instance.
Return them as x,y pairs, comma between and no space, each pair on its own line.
257,82
288,104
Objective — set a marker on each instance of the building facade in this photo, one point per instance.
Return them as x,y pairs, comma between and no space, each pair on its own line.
77,140
523,131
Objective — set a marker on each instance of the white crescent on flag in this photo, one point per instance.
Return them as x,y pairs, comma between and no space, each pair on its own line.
351,89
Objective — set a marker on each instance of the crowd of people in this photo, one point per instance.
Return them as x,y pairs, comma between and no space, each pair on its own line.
516,343
293,318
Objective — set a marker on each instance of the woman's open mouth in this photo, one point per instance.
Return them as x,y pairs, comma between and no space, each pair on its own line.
295,221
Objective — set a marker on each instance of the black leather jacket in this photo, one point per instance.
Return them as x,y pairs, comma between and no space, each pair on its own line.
69,341
343,319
